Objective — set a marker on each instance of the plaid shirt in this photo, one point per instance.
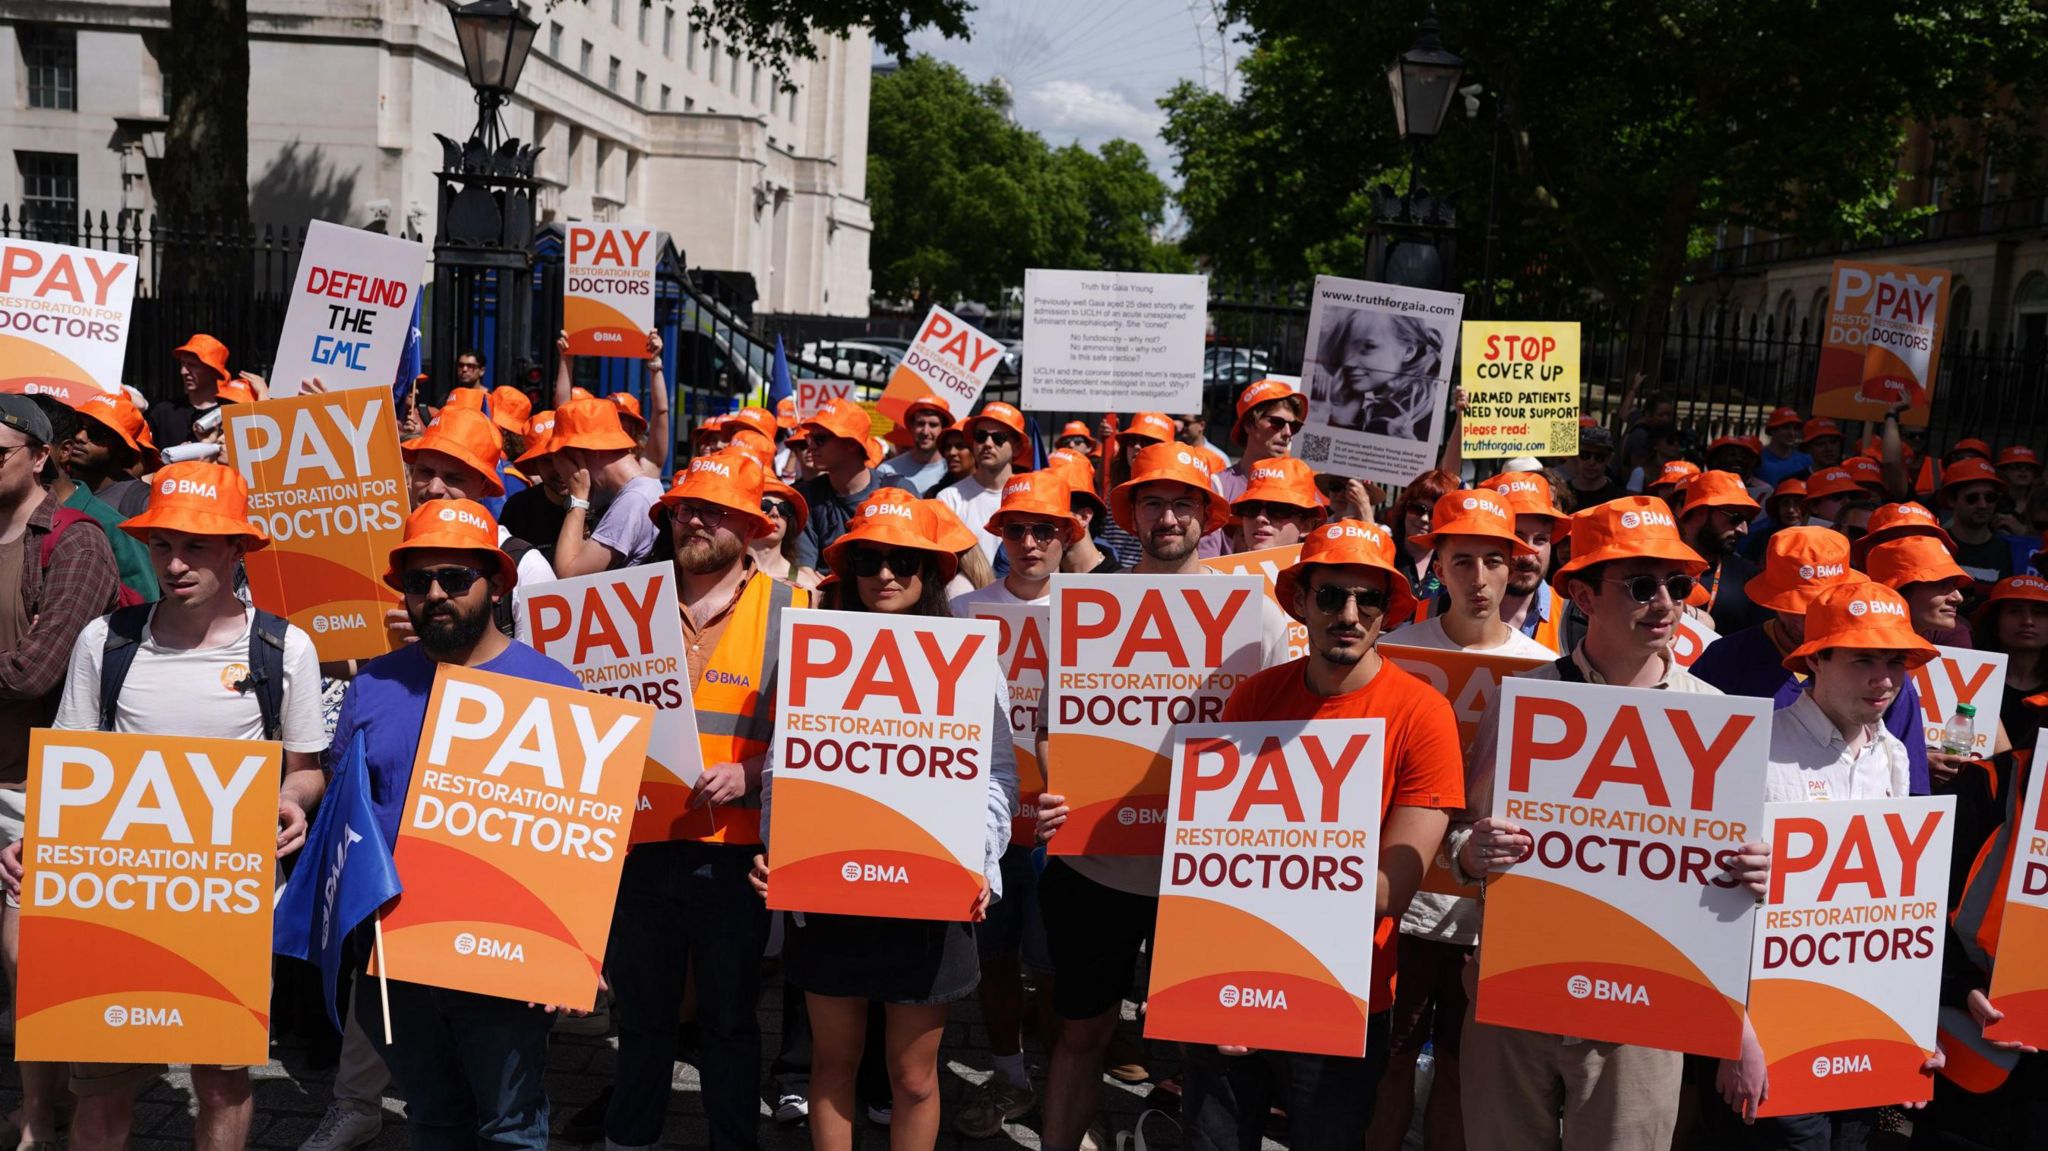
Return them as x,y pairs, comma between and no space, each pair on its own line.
80,585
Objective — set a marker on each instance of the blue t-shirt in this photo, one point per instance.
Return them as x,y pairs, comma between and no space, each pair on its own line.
1776,468
387,703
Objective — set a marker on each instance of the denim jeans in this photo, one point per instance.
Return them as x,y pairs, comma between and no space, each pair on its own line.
687,903
470,1066
1328,1098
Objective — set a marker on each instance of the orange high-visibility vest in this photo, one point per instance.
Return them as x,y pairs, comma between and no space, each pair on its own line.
735,712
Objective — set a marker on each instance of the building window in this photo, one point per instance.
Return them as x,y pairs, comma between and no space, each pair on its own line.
668,33
49,193
617,20
689,104
644,11
664,97
732,62
754,86
611,74
50,57
583,60
2030,315
712,47
774,99
792,103
640,88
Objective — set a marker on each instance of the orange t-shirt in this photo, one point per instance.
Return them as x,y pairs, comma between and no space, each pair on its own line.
1425,766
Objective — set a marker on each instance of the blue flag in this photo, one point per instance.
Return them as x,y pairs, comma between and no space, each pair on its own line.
779,386
409,359
343,876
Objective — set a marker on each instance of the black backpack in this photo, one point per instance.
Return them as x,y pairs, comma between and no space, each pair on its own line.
266,664
502,614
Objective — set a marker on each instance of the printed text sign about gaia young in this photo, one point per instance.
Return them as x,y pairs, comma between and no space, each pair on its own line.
1022,630
1624,924
351,310
327,484
882,750
64,315
513,834
1845,976
948,361
1132,656
1521,382
2019,978
1113,341
145,907
1268,887
622,634
608,289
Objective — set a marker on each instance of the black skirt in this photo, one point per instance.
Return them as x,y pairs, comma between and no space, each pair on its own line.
908,961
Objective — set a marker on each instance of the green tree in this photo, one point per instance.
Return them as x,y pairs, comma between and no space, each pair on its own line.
775,31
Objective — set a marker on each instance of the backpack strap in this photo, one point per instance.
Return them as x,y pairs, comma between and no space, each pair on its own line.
124,636
502,615
266,669
1568,669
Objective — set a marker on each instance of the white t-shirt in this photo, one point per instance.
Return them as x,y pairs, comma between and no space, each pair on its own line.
1811,760
974,505
1429,633
533,569
998,593
192,693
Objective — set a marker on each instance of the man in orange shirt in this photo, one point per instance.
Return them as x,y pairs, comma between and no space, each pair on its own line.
1344,587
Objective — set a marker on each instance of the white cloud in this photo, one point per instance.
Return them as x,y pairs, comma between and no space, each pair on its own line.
1060,108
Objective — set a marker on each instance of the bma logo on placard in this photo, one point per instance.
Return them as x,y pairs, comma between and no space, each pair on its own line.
484,947
1607,990
1263,998
855,872
119,1016
1827,1065
1135,816
322,624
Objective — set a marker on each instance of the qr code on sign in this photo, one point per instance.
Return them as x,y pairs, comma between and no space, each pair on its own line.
1315,449
1564,438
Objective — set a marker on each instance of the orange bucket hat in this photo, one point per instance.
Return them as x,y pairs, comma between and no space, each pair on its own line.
1172,464
1969,470
629,412
785,413
756,420
1897,521
1150,426
951,532
2011,589
1789,486
1265,392
463,435
842,418
540,432
731,479
465,399
1914,559
2018,455
931,404
1634,527
1041,494
1743,443
1965,449
1079,474
892,518
1473,512
1859,614
119,416
236,391
1798,563
1349,543
1718,489
1781,417
206,350
1819,428
1076,428
1528,494
452,525
1008,418
199,497
1867,471
1676,472
1282,480
592,425
510,409
1835,481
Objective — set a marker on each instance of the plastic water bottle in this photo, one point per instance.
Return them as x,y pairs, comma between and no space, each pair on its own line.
1959,734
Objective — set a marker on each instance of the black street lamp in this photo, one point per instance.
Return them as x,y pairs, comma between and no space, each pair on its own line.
1413,239
495,37
1424,80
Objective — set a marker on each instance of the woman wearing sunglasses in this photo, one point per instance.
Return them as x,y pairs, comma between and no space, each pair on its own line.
890,561
775,553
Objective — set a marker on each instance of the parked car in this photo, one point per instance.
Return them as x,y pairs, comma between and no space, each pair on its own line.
864,360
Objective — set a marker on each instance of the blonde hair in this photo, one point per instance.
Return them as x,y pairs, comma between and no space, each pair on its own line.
975,567
1406,402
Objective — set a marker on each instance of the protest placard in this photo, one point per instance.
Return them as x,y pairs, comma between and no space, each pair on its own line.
514,830
1021,631
1113,341
351,310
1958,675
145,906
1882,344
621,632
1267,887
1377,371
814,394
2019,977
1624,924
948,361
608,289
1845,971
1693,635
1132,657
882,744
327,484
64,315
1521,382
1267,564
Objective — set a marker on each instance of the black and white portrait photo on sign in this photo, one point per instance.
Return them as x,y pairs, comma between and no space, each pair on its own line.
1377,369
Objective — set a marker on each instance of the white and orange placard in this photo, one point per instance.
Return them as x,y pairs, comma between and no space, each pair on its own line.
327,483
1624,924
1132,656
1693,635
1882,343
514,830
621,632
1267,886
64,317
812,395
1845,971
145,906
2019,977
608,289
1022,629
948,360
351,310
1267,564
883,736
1958,675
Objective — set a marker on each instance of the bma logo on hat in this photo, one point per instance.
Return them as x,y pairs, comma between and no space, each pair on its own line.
1860,608
1017,487
888,508
176,487
1513,486
1470,504
707,464
467,519
1266,473
1821,571
1631,520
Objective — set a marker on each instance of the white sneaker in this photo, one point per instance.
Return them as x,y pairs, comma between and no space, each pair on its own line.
792,1109
345,1126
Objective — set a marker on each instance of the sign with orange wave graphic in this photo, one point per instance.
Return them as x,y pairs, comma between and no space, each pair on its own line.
2019,978
1961,675
1845,971
67,312
1623,924
882,743
1267,564
145,903
327,483
1692,637
1021,629
512,837
1882,345
1132,656
949,361
621,632
608,289
1268,885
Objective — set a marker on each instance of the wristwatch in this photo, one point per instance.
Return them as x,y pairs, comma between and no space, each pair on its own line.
578,503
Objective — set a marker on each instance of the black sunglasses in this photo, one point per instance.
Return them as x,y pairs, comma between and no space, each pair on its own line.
867,563
779,509
1330,599
1275,423
1643,588
1275,512
1040,533
453,580
991,435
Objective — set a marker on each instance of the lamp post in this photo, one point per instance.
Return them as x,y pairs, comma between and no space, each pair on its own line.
483,233
1413,240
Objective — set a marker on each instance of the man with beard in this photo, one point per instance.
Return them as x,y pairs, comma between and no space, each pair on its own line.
469,1065
922,465
1530,604
1269,414
689,896
1712,521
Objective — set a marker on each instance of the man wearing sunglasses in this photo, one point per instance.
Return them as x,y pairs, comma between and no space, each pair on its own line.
835,441
1970,490
997,437
1629,574
1269,413
1592,483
